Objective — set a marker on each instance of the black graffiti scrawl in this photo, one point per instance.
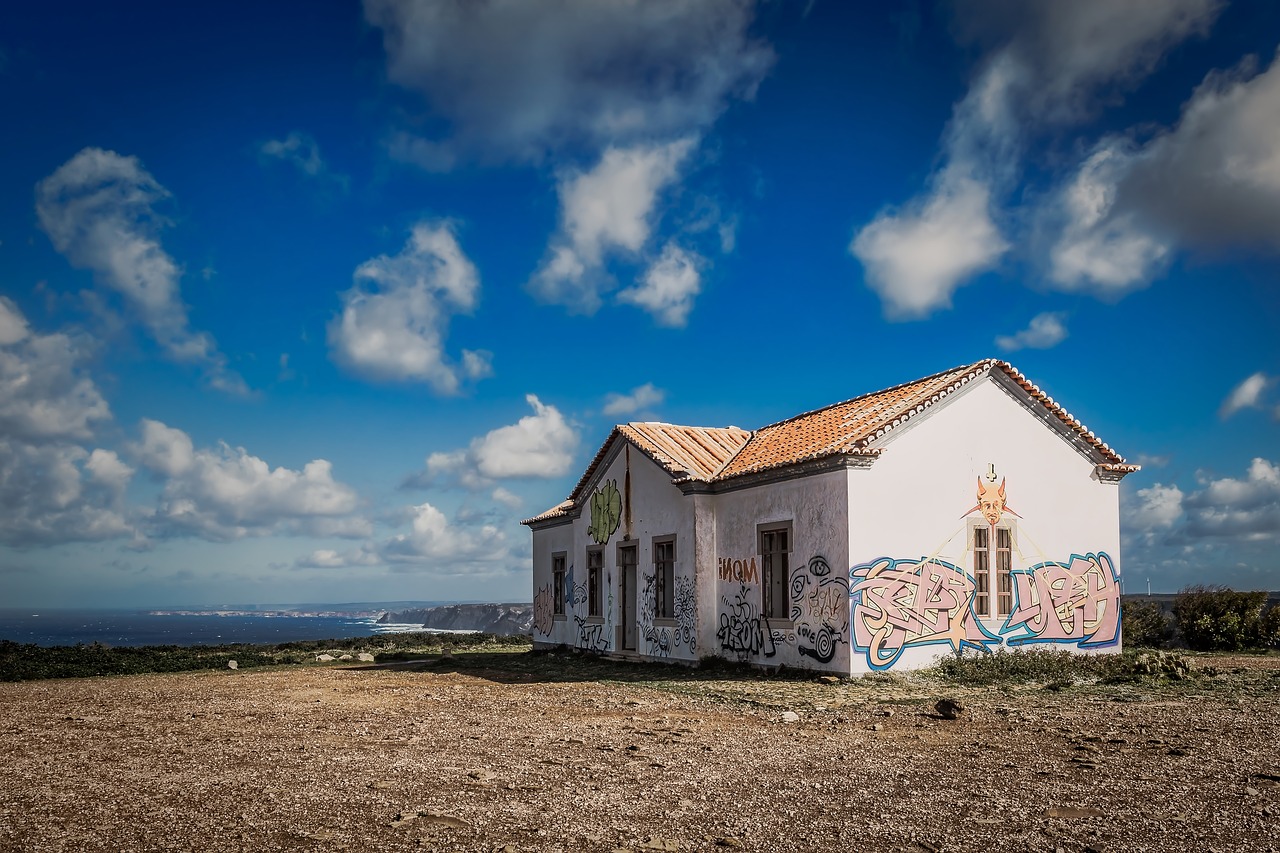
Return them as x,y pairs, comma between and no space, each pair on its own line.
819,610
742,629
686,632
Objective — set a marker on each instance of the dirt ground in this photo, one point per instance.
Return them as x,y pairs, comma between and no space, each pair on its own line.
494,752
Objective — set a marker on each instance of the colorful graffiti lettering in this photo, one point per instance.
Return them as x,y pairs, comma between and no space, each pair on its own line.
1073,602
606,512
901,603
742,571
742,629
686,608
543,611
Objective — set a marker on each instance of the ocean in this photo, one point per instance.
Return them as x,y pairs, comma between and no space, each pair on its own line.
140,628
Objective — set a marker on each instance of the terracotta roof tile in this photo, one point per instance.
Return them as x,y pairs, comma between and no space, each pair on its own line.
850,428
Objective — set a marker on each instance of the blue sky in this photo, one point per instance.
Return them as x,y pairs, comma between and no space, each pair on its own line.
314,301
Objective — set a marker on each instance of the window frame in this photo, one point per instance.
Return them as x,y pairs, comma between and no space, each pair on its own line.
595,585
664,580
993,579
559,559
775,604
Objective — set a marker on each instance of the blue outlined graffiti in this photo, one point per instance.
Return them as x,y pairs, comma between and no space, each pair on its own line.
1076,602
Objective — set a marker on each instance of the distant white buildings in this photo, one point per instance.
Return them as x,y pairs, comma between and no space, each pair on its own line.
965,510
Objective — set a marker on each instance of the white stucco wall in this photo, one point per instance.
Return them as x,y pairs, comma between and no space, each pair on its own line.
657,509
817,591
910,505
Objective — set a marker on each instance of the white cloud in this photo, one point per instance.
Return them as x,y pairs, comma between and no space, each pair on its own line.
224,492
668,287
434,538
1246,395
641,397
1046,65
1101,248
507,498
328,558
394,320
98,209
1045,331
916,258
1155,508
540,445
518,80
609,209
303,152
56,493
1247,508
44,396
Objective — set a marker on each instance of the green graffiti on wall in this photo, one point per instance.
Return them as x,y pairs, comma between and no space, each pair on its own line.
606,512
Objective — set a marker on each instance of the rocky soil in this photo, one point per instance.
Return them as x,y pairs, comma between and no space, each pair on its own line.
493,752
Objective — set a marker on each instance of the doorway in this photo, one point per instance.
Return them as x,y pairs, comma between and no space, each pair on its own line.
627,558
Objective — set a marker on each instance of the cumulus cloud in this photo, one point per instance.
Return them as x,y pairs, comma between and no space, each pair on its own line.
394,320
1045,65
328,558
668,287
99,211
56,493
512,80
1247,507
44,394
641,397
435,540
1246,395
1155,508
606,210
539,445
915,258
223,493
1045,331
302,152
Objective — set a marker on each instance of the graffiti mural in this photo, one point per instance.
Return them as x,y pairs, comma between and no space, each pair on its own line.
992,502
742,571
742,628
1073,602
659,640
543,611
901,603
606,512
819,610
686,610
591,635
573,594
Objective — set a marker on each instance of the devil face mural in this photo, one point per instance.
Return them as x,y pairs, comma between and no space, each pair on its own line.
991,501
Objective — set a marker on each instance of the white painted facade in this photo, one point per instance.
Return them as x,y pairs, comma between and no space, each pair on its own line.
880,566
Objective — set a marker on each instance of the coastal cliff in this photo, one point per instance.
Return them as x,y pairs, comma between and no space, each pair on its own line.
502,619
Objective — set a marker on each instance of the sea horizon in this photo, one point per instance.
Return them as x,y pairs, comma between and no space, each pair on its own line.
192,626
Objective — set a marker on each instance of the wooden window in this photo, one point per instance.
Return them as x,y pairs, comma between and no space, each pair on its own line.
993,552
1004,565
557,584
775,569
982,571
595,567
664,576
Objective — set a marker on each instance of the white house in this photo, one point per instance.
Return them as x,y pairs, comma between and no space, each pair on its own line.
964,510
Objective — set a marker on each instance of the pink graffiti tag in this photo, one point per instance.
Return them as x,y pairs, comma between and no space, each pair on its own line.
901,603
543,613
1067,602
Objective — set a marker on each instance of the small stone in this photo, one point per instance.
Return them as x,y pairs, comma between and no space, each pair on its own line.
828,679
655,843
345,657
876,727
365,656
948,709
232,665
729,841
324,658
790,717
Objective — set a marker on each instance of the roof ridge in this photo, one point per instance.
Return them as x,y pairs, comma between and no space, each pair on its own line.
988,362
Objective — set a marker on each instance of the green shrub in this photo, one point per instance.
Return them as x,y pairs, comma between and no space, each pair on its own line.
1145,624
1218,618
1023,665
